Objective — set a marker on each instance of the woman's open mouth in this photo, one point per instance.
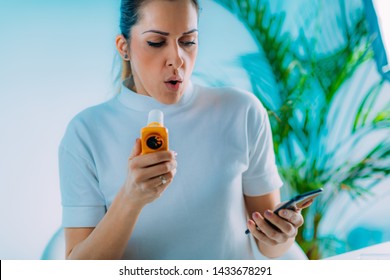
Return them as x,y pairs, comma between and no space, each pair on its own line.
173,85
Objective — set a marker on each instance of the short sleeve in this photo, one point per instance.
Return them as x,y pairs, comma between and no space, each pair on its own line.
262,175
83,204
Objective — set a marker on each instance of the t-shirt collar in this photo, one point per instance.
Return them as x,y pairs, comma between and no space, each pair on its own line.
140,102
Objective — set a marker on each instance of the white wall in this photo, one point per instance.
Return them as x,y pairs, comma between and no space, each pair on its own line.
55,58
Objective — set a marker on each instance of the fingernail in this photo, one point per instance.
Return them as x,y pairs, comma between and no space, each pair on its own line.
283,213
268,213
256,215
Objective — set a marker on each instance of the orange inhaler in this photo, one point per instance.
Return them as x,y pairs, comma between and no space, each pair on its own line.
154,136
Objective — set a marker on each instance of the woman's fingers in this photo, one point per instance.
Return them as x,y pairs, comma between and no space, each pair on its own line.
258,234
306,204
291,216
286,227
149,166
151,174
274,229
151,159
161,181
158,169
136,149
269,231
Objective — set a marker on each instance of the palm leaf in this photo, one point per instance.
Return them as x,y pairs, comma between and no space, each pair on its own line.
310,78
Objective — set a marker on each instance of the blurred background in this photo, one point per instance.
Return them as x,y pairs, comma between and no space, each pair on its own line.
319,67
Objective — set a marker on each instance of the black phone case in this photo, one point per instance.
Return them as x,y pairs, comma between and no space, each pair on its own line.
298,201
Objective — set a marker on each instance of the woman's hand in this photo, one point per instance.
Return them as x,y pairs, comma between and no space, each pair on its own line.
148,175
279,228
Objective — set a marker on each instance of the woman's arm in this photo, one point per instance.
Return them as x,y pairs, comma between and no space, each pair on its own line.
108,240
272,242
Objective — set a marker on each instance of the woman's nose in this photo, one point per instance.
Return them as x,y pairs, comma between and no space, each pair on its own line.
175,59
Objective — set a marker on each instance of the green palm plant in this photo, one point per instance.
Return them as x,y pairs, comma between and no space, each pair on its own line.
316,143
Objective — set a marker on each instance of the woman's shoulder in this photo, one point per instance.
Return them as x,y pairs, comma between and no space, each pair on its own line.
91,117
230,95
85,127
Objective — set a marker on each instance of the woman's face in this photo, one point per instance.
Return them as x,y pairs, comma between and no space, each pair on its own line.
163,49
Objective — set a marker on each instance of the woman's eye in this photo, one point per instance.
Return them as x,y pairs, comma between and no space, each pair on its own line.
188,44
156,44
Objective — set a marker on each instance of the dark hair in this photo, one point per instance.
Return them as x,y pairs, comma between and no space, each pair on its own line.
129,16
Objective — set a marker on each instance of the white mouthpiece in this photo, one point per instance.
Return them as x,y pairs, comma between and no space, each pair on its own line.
156,116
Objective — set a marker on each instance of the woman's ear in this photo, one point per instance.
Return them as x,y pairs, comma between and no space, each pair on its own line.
122,47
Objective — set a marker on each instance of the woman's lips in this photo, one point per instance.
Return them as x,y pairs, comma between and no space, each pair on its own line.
174,86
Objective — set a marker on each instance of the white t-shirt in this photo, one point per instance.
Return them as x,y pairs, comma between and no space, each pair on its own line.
224,145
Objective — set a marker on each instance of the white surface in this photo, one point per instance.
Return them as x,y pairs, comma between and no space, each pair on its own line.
376,252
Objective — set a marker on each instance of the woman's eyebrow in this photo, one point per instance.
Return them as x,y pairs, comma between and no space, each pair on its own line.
167,34
191,31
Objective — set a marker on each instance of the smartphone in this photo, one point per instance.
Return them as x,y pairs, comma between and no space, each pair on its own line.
295,203
298,201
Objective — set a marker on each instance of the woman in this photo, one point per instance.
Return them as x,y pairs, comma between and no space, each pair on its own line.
187,203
